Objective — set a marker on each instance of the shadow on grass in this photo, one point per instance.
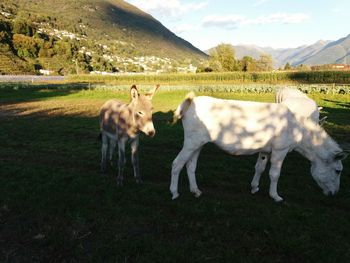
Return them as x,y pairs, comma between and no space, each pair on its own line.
55,206
345,105
338,122
9,93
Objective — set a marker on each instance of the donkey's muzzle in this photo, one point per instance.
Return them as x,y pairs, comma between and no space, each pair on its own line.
151,133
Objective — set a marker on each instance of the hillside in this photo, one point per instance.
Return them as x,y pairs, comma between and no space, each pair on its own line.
109,30
11,64
334,52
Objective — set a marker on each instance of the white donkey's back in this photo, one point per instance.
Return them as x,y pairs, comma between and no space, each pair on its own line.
238,127
284,93
299,103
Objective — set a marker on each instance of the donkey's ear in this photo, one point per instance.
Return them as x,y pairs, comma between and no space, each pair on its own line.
134,93
322,121
341,155
151,93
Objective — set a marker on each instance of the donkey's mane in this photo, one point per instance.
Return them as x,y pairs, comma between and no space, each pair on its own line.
315,138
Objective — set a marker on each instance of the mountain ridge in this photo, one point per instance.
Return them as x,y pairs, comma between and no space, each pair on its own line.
318,53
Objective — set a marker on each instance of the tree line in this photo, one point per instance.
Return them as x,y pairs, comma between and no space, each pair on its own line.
222,59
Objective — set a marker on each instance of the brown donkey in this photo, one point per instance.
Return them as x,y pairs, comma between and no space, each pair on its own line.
120,123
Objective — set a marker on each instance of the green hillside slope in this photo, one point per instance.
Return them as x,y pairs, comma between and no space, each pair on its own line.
104,32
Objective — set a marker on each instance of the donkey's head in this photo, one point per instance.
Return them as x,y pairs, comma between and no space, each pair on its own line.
327,172
142,110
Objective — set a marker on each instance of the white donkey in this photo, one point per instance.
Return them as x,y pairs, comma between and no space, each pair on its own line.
298,103
120,123
244,128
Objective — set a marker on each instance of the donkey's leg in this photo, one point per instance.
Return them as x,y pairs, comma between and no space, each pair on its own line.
121,160
259,169
191,169
179,162
104,149
277,158
112,145
135,159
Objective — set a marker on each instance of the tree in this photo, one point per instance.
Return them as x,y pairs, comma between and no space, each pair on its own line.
215,65
82,63
303,67
26,47
21,26
247,63
64,48
287,66
264,63
204,67
222,58
4,37
5,32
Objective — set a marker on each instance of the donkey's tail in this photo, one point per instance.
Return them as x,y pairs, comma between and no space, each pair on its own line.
278,95
183,107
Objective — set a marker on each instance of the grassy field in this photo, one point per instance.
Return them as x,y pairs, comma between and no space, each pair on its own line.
56,207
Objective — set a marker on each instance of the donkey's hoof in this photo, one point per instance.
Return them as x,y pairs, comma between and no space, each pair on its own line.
197,193
254,190
119,182
277,199
175,195
139,181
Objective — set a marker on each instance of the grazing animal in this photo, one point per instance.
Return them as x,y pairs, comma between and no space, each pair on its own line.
120,123
298,103
244,128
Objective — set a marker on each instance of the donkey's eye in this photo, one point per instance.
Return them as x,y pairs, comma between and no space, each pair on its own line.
140,113
338,172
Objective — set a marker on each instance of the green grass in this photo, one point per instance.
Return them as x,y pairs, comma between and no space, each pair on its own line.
55,206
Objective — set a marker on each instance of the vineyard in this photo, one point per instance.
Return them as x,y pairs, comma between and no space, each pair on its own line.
311,77
253,88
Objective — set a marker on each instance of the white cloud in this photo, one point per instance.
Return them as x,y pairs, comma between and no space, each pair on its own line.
234,21
227,22
171,8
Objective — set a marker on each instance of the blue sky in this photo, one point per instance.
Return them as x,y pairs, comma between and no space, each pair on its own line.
274,23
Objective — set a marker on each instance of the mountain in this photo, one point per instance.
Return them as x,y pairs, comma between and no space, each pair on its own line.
321,52
249,50
334,52
106,27
294,56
